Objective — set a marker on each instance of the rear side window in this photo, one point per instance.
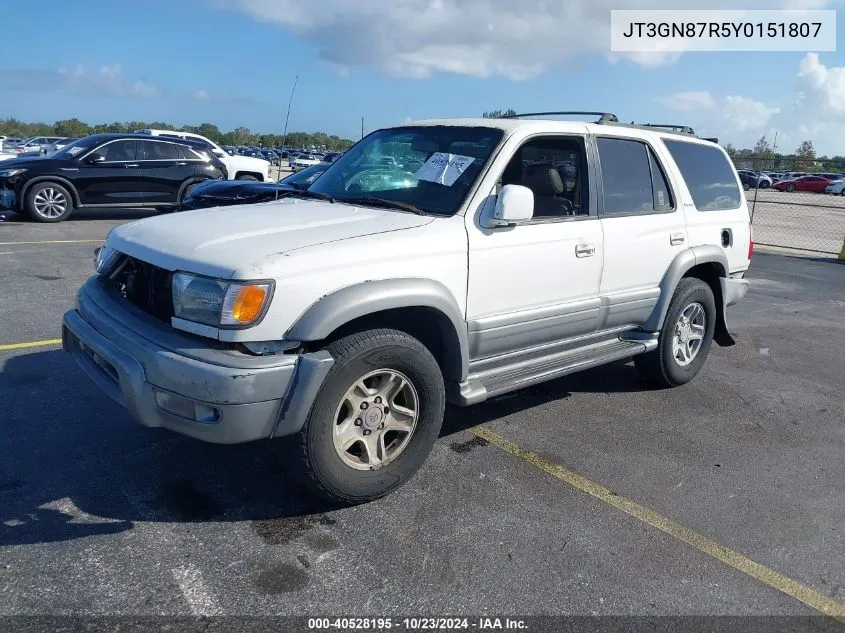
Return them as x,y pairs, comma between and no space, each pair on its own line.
156,150
708,174
632,180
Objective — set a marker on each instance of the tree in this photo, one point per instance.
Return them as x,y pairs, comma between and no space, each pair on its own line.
241,135
805,156
731,150
762,154
498,114
71,128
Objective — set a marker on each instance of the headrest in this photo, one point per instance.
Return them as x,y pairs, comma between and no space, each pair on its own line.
543,182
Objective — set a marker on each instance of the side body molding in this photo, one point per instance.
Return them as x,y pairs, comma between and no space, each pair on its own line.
352,302
677,269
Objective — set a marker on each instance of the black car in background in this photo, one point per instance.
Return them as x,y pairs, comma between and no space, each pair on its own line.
107,170
231,192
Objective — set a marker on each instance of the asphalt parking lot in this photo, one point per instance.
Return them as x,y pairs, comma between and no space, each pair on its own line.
592,494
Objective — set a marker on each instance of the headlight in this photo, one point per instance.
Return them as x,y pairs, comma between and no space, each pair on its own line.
217,302
8,173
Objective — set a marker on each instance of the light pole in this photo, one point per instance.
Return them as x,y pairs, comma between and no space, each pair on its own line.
285,136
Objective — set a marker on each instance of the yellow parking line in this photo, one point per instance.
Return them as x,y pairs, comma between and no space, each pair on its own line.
52,341
54,242
803,593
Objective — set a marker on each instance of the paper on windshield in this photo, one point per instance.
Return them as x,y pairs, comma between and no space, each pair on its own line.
444,168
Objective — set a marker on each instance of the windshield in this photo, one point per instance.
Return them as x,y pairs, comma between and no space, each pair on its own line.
76,147
431,168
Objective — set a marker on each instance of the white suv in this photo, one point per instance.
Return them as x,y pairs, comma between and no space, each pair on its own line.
343,317
237,167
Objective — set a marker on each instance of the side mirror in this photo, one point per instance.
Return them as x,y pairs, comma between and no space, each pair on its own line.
95,159
514,203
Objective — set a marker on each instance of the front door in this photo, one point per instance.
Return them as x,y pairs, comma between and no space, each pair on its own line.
537,282
164,168
109,175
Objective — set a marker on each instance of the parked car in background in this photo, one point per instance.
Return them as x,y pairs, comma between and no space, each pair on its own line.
226,193
107,170
815,184
8,142
331,157
270,156
829,175
302,161
34,143
49,148
748,179
238,167
836,187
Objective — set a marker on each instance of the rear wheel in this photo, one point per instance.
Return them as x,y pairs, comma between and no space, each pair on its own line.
375,418
686,336
746,186
48,202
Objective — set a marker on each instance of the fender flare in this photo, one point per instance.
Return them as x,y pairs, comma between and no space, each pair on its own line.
683,262
358,300
64,182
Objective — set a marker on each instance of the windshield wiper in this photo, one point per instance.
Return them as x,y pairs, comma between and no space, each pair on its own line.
385,203
305,193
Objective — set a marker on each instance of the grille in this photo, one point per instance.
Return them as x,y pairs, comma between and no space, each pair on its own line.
145,286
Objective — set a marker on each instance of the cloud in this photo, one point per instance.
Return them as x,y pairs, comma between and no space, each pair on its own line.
476,38
201,95
106,81
732,113
821,89
689,101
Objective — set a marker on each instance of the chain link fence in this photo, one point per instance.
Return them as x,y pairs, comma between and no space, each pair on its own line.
795,204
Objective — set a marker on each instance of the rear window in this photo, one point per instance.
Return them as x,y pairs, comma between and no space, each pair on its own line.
708,174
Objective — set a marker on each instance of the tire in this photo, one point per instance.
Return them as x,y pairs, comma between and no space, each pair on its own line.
765,184
350,476
661,366
188,189
48,202
790,188
746,186
246,177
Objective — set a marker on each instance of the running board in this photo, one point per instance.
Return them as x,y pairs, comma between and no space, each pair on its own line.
494,382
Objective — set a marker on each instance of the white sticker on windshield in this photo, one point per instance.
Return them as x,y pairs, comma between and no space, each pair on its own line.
444,168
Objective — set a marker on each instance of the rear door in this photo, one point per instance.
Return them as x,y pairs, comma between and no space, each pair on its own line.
113,180
163,170
716,210
643,224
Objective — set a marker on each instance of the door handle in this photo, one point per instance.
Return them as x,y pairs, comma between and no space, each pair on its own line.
132,165
676,238
585,250
181,164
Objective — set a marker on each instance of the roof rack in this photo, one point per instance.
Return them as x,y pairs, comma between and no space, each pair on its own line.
604,117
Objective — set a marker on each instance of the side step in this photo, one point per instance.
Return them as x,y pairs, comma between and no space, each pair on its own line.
494,382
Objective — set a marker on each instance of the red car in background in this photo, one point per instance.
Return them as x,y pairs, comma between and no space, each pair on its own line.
804,183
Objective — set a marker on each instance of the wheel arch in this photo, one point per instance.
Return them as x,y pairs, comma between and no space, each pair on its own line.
707,263
246,172
64,182
423,308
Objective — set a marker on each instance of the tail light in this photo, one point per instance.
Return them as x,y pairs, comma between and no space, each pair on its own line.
750,240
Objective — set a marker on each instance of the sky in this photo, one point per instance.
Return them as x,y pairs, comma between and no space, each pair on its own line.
233,63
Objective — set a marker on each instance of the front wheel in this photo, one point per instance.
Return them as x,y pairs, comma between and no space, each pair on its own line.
790,188
686,336
246,177
48,202
375,418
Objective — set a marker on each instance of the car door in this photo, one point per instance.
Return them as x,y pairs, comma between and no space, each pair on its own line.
108,175
163,170
537,282
644,228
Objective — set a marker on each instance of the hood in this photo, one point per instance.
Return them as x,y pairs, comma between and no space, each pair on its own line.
230,189
223,240
250,160
30,161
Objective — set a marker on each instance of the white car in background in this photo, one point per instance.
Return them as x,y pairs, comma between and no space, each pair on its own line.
836,187
237,167
302,161
34,143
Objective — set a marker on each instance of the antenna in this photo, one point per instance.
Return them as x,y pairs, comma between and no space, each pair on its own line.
285,137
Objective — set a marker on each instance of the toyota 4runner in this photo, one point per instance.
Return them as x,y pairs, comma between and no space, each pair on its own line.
452,260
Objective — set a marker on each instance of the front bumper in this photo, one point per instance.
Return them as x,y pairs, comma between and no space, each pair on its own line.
184,383
8,199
